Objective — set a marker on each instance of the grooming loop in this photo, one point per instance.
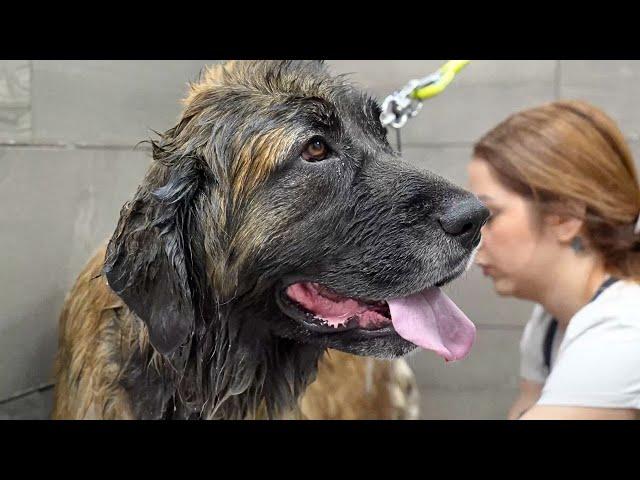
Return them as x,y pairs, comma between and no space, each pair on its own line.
405,103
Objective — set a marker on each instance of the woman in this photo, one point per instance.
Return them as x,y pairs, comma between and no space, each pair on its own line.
564,232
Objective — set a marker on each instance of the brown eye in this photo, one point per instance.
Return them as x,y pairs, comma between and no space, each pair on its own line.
315,150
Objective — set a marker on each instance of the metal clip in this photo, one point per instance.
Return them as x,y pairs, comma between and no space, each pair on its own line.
398,107
401,105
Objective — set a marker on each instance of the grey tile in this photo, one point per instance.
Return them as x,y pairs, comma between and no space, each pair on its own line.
483,94
475,296
108,102
385,75
487,404
15,100
613,85
33,406
57,207
449,162
493,363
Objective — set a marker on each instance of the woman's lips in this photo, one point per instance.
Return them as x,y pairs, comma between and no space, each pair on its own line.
487,271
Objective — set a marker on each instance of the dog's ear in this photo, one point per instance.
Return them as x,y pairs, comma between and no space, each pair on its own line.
151,256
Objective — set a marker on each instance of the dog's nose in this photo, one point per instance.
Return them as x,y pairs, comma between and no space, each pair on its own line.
464,219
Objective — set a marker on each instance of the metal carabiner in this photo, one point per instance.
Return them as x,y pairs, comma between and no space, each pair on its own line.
405,103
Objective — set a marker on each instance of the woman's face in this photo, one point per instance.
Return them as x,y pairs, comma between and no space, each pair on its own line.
515,251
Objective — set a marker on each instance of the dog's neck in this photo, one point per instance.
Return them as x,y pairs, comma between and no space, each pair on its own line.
225,372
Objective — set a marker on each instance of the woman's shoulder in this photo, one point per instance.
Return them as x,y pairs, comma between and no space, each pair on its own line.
621,301
597,364
615,311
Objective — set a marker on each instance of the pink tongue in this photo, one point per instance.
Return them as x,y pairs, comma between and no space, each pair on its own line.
432,321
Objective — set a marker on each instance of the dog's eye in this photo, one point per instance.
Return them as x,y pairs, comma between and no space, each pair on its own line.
315,150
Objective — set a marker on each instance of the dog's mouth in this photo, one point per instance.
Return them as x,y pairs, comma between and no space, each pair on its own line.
428,318
326,311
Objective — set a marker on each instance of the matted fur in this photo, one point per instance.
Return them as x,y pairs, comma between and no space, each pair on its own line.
97,333
182,316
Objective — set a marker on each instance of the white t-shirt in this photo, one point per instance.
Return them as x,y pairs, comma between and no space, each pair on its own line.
596,361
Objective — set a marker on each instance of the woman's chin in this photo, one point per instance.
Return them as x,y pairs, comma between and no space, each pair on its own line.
503,287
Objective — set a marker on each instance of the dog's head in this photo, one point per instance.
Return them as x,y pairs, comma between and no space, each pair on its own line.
277,195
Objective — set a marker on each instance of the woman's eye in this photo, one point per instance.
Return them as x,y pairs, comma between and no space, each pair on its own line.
315,150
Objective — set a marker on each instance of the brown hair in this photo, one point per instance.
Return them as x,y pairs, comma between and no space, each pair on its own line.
570,153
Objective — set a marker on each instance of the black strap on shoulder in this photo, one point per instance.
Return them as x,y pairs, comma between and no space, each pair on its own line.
547,344
606,284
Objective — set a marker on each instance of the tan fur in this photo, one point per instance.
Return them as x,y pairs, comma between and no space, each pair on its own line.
89,354
256,162
212,77
349,387
97,331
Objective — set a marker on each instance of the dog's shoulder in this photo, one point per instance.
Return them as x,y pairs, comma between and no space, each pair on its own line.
87,358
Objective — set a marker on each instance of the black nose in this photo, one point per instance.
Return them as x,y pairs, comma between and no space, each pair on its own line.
464,219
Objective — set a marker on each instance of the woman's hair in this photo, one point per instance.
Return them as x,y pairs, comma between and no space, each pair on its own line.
565,155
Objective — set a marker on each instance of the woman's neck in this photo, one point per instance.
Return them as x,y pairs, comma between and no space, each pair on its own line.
571,285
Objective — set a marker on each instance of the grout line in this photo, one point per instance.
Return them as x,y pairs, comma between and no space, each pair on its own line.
71,146
15,396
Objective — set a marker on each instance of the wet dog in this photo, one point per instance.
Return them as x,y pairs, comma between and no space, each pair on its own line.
275,222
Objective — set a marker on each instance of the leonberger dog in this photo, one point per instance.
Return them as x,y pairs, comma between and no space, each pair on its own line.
275,224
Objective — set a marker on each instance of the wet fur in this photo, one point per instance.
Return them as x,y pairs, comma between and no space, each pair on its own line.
179,318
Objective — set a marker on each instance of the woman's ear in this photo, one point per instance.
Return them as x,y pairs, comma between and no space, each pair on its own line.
568,224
